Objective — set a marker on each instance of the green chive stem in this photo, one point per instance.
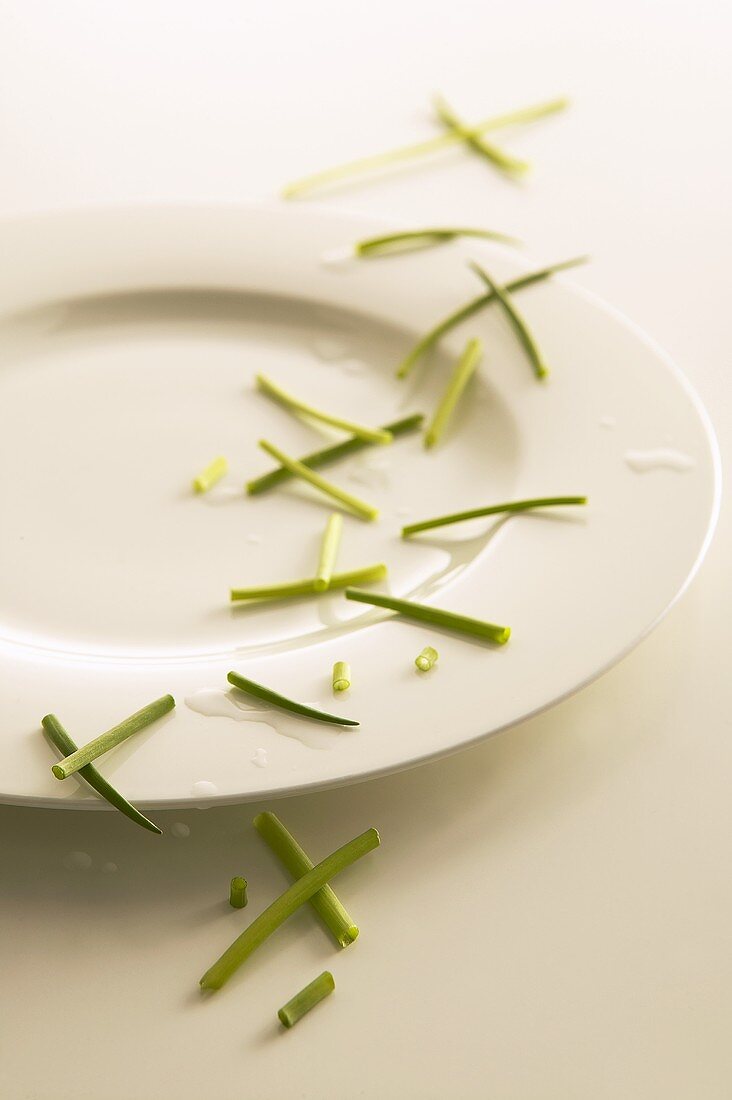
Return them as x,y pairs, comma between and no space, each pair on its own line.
293,589
461,375
473,139
408,240
354,504
491,510
306,999
516,321
329,551
422,613
426,659
295,860
285,905
341,676
238,892
293,404
258,691
213,473
114,736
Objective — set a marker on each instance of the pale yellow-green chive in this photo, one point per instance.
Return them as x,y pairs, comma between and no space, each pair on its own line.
473,139
238,892
294,589
517,323
213,473
426,659
389,244
114,736
341,676
357,506
306,999
329,551
293,404
464,369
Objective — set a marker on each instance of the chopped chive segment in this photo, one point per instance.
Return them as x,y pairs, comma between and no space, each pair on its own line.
341,676
425,660
422,613
114,736
517,323
329,551
354,504
308,587
213,473
325,903
96,781
491,510
293,404
461,375
331,454
250,687
473,139
285,905
408,240
306,999
238,892
435,334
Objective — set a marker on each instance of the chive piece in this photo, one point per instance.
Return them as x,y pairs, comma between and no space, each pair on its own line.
306,999
425,660
325,903
96,781
435,334
359,507
461,375
329,551
341,676
293,404
307,587
408,240
473,139
477,628
249,687
517,322
114,736
285,905
344,172
213,473
492,510
331,454
238,892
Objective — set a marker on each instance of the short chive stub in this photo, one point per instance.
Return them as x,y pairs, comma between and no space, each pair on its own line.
510,508
238,892
426,659
306,999
354,504
114,736
294,405
213,473
309,587
341,676
516,321
422,613
259,691
329,548
464,370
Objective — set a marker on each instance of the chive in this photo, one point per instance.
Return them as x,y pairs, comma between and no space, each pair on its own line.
213,473
249,687
473,139
292,589
492,510
477,628
238,892
359,507
341,676
517,323
306,999
461,375
293,404
331,454
96,781
285,905
344,172
408,240
325,903
328,551
435,334
114,736
425,660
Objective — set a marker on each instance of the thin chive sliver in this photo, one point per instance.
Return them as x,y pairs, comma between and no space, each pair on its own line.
419,612
473,140
297,862
213,473
389,244
329,551
461,375
114,736
517,323
238,892
294,589
307,998
96,781
259,691
491,510
293,404
285,905
354,504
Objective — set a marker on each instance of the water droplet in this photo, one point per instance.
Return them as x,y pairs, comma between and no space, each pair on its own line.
403,512
662,458
223,494
338,258
253,540
215,703
608,422
179,828
78,861
260,758
352,366
205,787
328,348
109,868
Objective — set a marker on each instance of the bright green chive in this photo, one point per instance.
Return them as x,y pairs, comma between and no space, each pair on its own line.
492,510
461,375
213,473
308,587
293,404
329,551
285,905
258,691
473,139
97,782
354,504
325,903
420,612
331,454
365,165
341,676
517,323
409,240
306,999
238,892
426,658
435,334
114,736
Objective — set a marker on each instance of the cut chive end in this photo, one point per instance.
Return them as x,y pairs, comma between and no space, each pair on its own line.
58,771
238,892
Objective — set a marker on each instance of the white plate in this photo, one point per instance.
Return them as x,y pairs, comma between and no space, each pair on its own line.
128,344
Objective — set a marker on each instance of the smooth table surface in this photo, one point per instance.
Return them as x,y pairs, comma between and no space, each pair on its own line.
549,915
